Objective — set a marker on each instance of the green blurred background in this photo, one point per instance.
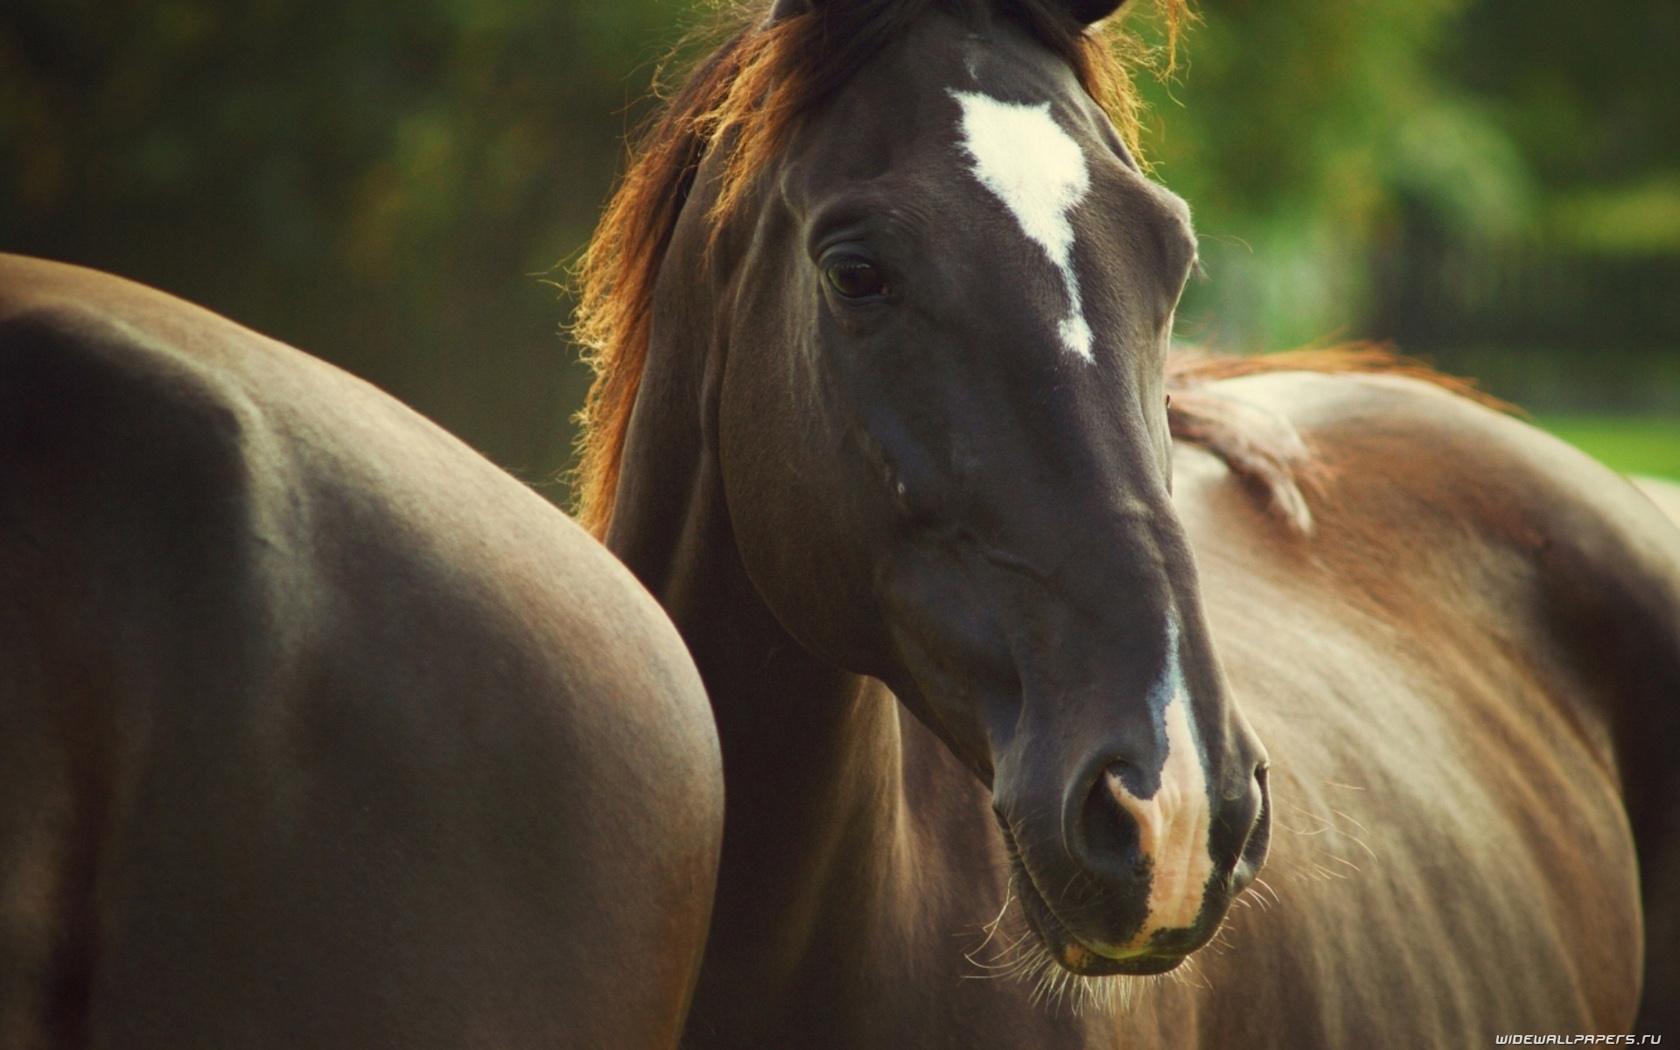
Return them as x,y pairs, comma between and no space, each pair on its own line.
394,185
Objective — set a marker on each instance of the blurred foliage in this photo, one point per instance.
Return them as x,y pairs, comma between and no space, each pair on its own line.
386,183
1630,444
1310,133
1642,218
1589,92
375,181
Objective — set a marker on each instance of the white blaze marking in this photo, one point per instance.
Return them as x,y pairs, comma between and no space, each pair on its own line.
1173,825
1038,171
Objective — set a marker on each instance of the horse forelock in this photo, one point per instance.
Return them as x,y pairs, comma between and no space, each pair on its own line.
752,92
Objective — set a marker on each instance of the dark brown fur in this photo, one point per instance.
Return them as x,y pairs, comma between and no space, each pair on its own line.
316,729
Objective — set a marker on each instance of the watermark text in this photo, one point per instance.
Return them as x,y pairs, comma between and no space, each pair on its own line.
1578,1040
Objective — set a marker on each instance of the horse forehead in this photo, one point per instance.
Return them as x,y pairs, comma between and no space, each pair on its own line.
899,109
1025,159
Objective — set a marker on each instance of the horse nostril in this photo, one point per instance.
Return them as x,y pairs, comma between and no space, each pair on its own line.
1255,784
1125,779
1262,793
1257,835
1110,833
1262,819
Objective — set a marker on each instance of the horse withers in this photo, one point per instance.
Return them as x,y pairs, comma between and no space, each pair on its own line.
316,729
1345,709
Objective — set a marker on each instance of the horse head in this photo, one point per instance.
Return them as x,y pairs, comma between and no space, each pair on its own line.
938,313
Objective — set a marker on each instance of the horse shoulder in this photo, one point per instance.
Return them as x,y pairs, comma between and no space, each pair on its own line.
332,732
1483,633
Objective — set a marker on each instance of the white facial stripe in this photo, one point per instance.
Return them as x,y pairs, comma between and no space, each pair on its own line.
1173,825
1038,171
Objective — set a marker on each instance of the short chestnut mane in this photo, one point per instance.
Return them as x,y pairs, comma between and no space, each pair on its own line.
756,88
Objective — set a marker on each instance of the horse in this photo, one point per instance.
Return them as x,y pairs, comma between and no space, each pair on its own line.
319,729
1074,692
1663,492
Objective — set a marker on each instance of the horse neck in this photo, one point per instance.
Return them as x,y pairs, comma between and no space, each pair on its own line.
857,850
813,756
855,844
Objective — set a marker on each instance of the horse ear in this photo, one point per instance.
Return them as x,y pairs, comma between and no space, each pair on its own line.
1086,12
788,8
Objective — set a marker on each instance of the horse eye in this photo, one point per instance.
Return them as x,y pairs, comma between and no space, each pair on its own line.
856,279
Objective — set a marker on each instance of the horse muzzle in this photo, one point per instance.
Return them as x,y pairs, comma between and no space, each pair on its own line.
1141,874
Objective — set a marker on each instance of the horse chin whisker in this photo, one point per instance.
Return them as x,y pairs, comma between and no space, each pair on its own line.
1058,988
1020,955
1011,959
1267,887
997,921
1325,824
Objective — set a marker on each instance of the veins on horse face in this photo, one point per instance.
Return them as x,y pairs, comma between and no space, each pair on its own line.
1039,173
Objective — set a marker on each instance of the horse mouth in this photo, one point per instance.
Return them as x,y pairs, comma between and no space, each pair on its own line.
1166,951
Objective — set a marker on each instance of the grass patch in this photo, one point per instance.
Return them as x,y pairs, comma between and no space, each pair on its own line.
1630,444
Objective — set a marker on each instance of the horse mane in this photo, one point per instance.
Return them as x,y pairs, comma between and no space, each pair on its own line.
755,88
1263,449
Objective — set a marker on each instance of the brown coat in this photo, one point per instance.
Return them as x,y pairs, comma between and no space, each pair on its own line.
315,728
